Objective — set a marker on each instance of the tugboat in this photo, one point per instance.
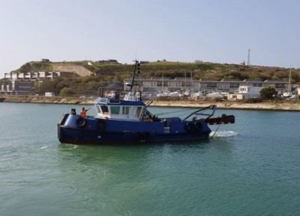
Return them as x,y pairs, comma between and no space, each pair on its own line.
129,121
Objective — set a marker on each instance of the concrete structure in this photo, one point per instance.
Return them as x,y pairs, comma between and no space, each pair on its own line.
72,68
154,85
17,87
298,92
245,92
18,83
31,76
108,61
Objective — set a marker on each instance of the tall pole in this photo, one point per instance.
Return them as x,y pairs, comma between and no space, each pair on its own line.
185,80
191,81
290,88
162,83
248,61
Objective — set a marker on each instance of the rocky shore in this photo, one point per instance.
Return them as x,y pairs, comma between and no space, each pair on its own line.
282,105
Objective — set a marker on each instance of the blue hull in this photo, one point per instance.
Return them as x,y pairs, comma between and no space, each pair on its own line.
96,131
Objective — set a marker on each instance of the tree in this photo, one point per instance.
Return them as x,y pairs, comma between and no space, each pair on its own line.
66,92
268,93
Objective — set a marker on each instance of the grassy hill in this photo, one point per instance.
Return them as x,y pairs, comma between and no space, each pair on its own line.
199,70
106,72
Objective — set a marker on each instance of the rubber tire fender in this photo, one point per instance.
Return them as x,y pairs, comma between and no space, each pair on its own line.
189,127
80,122
101,126
198,126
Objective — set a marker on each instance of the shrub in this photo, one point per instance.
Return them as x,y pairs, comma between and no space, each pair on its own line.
66,92
268,93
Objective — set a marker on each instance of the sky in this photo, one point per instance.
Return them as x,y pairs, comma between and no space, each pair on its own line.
176,30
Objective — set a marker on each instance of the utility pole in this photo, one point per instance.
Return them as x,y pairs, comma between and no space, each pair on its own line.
290,87
192,82
185,80
162,83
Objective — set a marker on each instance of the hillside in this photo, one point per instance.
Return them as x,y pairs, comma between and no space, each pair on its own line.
199,70
91,76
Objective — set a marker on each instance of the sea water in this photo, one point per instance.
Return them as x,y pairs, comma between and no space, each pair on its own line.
248,168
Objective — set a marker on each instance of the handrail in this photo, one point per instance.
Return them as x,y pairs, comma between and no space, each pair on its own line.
213,107
149,103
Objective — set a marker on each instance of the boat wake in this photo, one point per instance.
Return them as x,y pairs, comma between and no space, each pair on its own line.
214,134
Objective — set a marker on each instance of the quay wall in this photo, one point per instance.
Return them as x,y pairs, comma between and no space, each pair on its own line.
282,105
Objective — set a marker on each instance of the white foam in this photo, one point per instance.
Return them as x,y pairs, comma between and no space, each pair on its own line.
223,134
44,147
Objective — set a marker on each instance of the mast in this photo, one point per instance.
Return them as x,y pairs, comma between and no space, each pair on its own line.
192,82
185,80
136,68
162,83
290,87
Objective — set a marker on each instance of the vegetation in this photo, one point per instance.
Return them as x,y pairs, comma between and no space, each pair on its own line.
35,67
268,93
72,86
112,72
198,70
66,91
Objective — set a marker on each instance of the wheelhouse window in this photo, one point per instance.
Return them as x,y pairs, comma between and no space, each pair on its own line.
98,109
104,109
125,110
115,110
138,111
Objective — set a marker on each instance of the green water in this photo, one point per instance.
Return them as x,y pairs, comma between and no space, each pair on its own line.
250,168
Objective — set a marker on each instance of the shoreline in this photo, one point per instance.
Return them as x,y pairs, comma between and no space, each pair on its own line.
231,105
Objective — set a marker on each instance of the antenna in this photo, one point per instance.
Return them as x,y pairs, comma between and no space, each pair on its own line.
136,68
248,61
136,53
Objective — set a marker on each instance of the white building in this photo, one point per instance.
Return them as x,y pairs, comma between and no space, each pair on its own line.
154,85
245,92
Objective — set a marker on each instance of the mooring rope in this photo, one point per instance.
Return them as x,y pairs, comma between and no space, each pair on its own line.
216,131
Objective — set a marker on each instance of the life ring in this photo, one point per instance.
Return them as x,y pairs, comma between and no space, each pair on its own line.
101,125
81,122
198,126
189,127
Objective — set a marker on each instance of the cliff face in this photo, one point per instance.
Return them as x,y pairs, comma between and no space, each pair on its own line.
69,67
76,68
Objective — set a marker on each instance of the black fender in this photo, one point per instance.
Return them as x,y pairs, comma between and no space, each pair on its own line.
80,122
142,137
198,126
101,125
189,127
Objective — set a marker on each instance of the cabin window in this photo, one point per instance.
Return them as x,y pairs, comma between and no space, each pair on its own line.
104,109
126,110
138,111
98,109
115,110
